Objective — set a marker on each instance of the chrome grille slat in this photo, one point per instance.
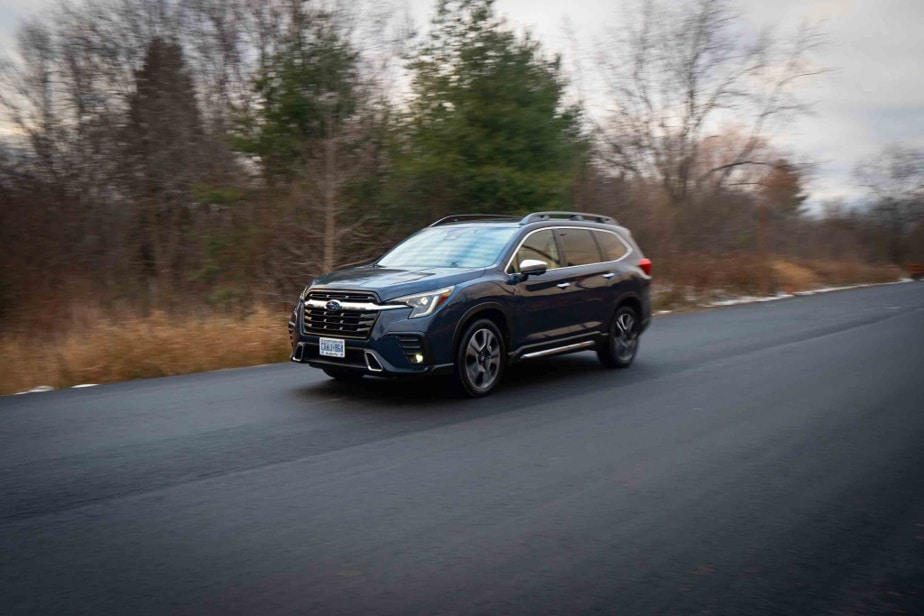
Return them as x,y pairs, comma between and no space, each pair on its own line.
321,316
343,296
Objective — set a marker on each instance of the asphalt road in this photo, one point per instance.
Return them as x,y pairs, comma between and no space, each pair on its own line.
766,458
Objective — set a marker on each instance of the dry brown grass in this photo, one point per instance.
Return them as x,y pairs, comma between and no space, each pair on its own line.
792,277
834,273
698,273
88,345
694,280
95,349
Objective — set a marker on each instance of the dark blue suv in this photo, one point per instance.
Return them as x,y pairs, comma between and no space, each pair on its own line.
471,294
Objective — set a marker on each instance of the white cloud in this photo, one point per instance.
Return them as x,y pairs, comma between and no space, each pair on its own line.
873,96
12,13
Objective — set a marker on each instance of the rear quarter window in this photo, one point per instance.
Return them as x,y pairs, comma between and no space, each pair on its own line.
612,247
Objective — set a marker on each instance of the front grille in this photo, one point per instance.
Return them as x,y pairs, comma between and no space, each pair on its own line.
343,296
340,323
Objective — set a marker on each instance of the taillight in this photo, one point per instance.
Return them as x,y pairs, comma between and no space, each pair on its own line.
645,265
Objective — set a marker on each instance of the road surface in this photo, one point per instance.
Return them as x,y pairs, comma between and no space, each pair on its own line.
759,459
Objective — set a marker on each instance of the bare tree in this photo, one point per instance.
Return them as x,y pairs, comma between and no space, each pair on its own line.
28,96
674,75
895,181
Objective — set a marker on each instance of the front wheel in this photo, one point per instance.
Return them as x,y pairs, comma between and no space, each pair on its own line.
622,342
479,359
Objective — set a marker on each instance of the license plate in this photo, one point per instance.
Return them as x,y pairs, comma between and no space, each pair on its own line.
333,347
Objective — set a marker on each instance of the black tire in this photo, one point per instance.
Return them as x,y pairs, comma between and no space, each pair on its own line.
480,359
621,343
344,374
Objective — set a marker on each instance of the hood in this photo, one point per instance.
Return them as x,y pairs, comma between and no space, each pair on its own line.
389,283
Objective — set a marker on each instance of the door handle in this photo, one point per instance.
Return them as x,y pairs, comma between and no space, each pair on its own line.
608,275
563,285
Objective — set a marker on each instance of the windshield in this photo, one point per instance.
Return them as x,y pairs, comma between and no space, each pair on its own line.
449,246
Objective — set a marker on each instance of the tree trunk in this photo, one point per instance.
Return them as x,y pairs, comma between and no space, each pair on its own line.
330,205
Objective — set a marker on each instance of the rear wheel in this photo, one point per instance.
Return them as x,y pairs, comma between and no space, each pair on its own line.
622,342
479,359
344,374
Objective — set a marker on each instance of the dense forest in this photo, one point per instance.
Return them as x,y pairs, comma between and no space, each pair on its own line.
176,155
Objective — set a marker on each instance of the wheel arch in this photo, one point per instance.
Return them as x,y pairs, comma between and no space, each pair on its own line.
631,300
492,311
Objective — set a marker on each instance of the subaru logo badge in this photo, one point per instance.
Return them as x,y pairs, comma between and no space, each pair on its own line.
333,306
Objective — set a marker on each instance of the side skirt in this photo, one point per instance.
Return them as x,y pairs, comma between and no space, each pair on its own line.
559,347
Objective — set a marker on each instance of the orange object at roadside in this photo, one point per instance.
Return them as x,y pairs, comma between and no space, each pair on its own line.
916,270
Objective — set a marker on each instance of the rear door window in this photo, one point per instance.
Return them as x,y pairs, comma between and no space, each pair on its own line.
578,247
612,247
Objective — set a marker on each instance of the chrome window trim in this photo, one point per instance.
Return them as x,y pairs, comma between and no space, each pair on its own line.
556,269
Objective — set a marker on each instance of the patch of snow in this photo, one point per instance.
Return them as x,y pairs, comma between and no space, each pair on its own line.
853,286
83,385
750,299
36,390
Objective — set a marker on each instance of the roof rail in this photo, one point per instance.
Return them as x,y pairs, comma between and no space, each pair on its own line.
463,217
537,216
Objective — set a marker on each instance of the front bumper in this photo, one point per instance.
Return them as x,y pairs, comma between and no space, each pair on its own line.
396,345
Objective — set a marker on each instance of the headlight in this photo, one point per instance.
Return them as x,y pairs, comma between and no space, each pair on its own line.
424,304
304,293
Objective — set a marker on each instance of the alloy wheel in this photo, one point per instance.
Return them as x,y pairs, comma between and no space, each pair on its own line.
482,359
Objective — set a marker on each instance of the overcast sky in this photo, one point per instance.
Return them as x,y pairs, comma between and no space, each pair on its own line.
874,95
872,98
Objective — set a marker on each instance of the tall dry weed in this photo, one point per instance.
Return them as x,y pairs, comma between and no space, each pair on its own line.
91,348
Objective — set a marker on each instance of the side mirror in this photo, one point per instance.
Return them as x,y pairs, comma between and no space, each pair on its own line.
533,267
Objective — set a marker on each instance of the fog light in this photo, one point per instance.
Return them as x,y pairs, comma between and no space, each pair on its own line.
418,358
